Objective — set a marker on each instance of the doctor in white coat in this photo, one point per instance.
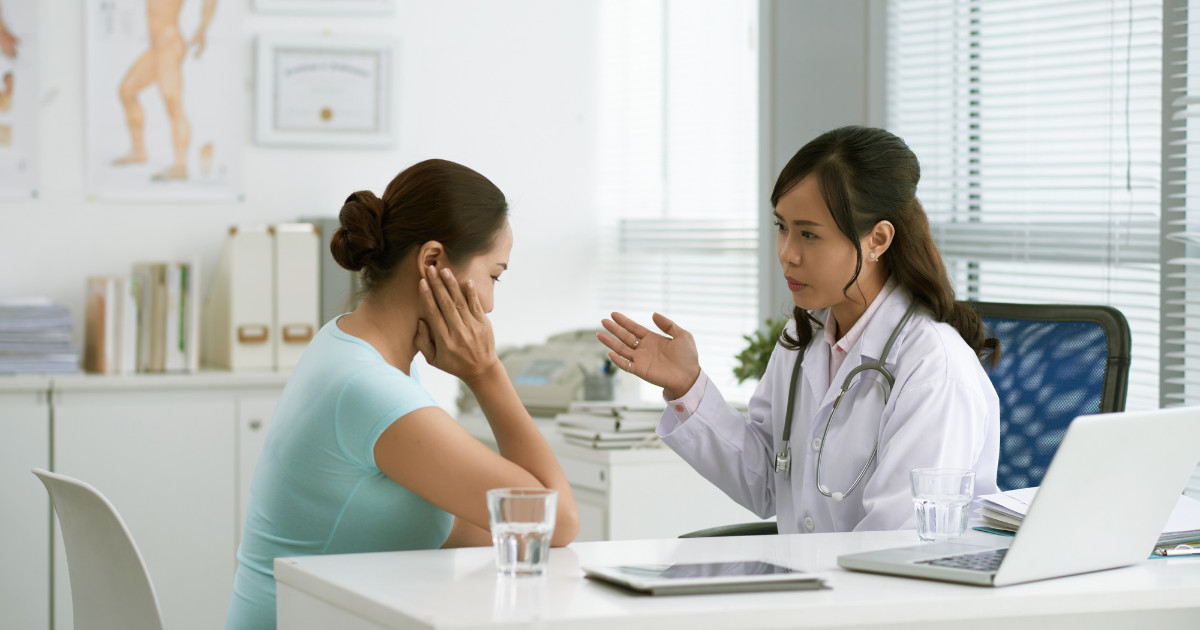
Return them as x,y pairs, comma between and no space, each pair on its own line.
869,289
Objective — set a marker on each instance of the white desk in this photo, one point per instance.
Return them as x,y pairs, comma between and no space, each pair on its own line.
459,589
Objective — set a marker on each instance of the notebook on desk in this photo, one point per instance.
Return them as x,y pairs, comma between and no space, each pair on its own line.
1101,505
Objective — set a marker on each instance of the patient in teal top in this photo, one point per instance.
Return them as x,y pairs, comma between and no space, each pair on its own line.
359,457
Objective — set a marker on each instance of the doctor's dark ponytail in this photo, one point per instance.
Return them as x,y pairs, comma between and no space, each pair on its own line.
867,175
434,200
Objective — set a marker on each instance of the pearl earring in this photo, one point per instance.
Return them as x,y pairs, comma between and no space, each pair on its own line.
872,255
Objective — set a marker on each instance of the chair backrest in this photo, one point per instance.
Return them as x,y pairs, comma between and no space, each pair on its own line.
110,586
1057,362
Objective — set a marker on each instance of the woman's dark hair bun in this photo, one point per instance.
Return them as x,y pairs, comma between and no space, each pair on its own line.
433,200
361,235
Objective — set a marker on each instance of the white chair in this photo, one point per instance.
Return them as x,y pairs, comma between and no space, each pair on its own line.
110,586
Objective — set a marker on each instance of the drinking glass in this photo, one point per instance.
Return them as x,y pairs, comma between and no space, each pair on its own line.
522,522
942,498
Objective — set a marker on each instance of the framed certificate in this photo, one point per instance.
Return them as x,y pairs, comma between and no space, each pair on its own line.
327,7
319,90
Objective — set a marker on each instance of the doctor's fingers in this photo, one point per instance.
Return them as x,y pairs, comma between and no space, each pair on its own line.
637,330
668,326
626,364
625,341
613,343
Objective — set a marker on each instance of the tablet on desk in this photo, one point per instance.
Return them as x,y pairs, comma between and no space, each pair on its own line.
705,577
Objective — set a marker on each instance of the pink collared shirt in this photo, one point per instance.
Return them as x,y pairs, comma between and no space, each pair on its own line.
839,348
685,406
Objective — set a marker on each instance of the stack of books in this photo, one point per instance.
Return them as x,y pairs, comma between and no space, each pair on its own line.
35,337
1003,512
145,322
610,425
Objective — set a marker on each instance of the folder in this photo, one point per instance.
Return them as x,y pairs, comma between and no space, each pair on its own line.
339,286
297,302
1005,511
239,308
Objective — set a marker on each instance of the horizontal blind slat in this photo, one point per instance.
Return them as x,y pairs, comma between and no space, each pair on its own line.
1038,128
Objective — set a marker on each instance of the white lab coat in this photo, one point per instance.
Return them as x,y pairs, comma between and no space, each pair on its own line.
942,412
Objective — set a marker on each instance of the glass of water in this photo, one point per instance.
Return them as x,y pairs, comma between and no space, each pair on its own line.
942,497
522,522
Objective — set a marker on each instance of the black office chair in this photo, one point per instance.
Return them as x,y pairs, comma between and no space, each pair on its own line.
1057,361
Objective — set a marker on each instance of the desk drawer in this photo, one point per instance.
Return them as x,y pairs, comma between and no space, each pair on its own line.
585,474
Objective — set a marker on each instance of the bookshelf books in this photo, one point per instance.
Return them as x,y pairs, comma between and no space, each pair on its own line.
144,322
110,326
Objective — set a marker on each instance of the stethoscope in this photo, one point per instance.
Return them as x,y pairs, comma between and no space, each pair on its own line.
783,459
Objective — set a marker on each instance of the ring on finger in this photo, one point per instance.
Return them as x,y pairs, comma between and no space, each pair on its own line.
636,343
629,368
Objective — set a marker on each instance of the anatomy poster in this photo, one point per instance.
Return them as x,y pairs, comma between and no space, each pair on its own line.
18,98
165,94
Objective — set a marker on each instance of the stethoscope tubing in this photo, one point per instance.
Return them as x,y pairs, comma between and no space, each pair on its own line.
783,458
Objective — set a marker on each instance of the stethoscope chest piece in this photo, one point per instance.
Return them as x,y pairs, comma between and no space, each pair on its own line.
783,461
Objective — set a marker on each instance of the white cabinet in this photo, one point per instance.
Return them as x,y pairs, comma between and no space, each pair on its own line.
173,453
24,504
253,415
634,493
642,493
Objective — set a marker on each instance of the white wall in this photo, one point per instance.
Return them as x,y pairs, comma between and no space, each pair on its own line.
506,88
821,67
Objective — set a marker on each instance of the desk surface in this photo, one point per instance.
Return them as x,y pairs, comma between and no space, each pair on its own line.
460,589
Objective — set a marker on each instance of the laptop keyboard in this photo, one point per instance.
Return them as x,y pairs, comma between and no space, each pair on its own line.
978,561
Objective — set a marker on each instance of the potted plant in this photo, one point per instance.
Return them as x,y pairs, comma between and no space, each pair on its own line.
752,362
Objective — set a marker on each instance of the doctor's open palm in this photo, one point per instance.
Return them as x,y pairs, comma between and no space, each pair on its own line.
669,361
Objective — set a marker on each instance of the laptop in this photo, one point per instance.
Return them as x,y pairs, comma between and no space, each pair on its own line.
1102,504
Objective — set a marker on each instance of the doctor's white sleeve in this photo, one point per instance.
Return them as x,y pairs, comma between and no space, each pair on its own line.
727,449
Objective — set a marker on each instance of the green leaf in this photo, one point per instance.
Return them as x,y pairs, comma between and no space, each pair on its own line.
752,362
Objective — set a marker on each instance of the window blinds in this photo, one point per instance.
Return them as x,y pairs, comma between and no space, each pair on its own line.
1037,124
678,171
1181,205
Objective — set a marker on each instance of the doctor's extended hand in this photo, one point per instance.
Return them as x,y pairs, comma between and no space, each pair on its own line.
671,362
453,331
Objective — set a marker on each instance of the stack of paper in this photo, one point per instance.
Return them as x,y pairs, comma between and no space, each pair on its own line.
35,336
609,425
1005,511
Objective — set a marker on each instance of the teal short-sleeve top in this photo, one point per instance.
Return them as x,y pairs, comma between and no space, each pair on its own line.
316,488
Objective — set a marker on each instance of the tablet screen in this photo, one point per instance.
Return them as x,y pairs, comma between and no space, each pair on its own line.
705,569
705,577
